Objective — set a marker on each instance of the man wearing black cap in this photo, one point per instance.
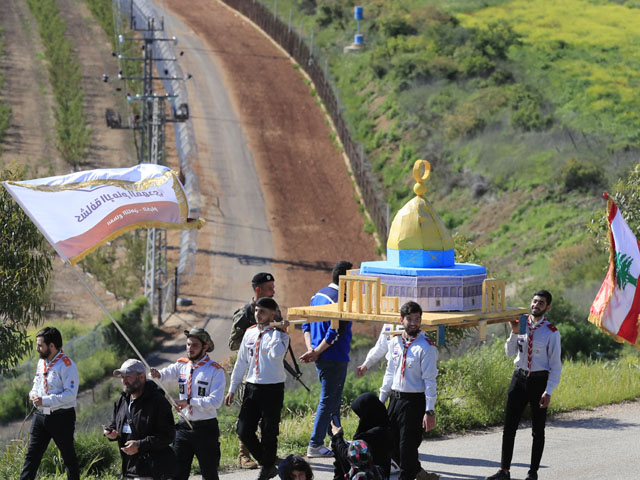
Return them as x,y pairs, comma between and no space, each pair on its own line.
201,386
261,356
142,423
329,349
263,285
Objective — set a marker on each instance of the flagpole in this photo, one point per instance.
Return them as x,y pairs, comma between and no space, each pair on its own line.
113,320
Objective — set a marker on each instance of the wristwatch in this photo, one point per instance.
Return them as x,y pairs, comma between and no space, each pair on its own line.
431,413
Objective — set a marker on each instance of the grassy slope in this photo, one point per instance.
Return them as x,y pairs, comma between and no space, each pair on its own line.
521,144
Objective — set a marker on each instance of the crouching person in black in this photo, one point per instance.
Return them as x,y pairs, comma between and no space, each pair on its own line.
373,428
142,423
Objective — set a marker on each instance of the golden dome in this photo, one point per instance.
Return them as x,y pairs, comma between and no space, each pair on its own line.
417,226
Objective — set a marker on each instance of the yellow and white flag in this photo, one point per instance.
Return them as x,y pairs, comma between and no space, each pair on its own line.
79,212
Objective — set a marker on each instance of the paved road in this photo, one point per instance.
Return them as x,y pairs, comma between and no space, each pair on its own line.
594,445
235,210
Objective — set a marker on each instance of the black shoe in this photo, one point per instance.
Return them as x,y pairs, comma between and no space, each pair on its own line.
499,475
268,472
532,476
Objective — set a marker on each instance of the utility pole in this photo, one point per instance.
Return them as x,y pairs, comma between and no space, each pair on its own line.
149,128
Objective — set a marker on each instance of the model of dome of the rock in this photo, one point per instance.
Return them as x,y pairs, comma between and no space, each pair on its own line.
420,262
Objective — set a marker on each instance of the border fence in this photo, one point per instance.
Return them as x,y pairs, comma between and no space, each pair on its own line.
295,45
77,348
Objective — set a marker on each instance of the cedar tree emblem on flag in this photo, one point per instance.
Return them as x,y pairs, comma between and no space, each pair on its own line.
616,308
79,212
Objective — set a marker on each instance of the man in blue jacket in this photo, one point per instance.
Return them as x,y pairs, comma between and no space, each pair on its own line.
329,349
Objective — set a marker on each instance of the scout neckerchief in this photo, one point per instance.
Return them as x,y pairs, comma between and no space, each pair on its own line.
406,346
257,347
194,367
47,367
530,343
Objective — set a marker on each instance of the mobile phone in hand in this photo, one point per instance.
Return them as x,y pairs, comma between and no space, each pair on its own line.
106,428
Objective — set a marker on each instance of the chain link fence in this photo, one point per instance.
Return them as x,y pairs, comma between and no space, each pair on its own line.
77,348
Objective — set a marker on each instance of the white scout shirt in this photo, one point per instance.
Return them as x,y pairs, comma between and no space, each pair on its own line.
61,386
420,368
261,357
381,348
207,386
545,351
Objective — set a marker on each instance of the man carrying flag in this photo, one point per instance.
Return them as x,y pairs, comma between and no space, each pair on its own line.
616,308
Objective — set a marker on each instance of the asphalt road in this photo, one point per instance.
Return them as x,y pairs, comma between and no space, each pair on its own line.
237,216
603,444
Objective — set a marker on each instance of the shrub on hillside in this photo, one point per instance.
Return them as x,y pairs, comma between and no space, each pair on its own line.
577,175
396,23
471,62
135,320
495,40
14,401
526,110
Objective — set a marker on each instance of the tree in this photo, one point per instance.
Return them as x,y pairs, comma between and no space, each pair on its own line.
25,268
626,194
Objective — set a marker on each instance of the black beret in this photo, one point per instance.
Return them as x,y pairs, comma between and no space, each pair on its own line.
261,277
267,302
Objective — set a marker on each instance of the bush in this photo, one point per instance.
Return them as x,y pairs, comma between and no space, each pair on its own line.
576,175
494,41
396,23
583,340
526,110
135,320
94,368
14,401
472,388
119,265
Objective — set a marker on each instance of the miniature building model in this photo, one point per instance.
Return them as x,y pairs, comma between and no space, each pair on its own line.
420,262
420,266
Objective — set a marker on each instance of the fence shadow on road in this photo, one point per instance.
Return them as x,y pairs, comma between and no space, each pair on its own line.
593,423
460,461
256,260
437,464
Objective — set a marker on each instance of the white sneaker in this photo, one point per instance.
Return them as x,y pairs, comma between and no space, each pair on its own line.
319,452
395,468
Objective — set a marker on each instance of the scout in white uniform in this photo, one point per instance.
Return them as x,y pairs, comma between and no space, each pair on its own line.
54,392
537,374
201,385
261,357
410,381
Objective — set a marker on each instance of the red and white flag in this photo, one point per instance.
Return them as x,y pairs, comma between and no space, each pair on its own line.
79,212
616,308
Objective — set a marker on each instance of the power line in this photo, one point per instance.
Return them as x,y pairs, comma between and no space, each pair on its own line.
147,117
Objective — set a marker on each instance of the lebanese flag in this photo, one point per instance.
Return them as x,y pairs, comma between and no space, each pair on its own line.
80,211
616,308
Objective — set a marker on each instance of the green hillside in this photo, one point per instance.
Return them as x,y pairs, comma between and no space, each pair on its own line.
527,111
